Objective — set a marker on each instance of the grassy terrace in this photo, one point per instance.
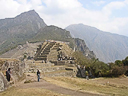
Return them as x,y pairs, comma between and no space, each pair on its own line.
108,86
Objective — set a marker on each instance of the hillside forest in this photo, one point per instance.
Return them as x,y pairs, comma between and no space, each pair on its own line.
98,68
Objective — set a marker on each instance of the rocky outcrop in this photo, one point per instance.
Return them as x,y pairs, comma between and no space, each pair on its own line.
81,46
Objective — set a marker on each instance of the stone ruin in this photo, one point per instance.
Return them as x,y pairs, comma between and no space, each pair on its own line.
56,52
54,58
17,70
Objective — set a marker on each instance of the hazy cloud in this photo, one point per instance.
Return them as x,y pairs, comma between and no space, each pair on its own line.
65,12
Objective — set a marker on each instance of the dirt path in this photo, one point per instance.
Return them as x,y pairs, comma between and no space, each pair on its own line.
46,85
52,87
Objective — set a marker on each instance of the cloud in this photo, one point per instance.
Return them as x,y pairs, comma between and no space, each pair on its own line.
65,12
98,3
6,8
115,24
69,12
55,7
113,6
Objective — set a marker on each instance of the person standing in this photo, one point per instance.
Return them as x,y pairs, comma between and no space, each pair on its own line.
86,73
8,74
38,75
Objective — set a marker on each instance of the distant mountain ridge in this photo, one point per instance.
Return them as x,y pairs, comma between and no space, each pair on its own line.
108,47
52,32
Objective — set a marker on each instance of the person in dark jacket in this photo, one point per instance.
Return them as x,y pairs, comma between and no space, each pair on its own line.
38,75
8,74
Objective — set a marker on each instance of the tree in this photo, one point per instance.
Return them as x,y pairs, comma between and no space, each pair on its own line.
81,59
99,67
118,63
117,71
125,61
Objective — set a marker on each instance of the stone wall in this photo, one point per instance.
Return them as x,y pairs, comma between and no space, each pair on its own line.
49,69
17,70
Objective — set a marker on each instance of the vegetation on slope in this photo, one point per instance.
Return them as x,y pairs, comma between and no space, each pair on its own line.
102,69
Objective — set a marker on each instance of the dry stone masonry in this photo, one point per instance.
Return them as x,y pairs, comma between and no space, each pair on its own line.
17,70
52,58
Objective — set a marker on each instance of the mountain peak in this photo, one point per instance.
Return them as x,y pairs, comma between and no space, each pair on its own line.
31,13
30,16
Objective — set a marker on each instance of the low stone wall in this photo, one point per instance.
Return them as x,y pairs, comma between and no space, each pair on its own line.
45,69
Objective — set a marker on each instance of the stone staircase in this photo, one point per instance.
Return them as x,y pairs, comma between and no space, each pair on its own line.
48,52
43,51
39,50
53,55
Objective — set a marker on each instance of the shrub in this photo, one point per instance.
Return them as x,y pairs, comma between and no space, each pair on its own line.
117,71
80,58
100,68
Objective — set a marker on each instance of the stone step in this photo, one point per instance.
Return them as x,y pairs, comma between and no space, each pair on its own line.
41,58
45,52
47,48
58,62
43,55
44,64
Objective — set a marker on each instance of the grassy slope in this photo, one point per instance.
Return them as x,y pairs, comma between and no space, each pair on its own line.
29,92
109,86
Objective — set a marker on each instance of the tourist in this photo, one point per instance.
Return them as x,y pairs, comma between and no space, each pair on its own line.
86,73
8,74
38,75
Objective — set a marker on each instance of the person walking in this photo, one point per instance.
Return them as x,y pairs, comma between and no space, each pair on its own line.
38,75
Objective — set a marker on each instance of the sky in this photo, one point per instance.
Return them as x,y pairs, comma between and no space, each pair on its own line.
106,15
